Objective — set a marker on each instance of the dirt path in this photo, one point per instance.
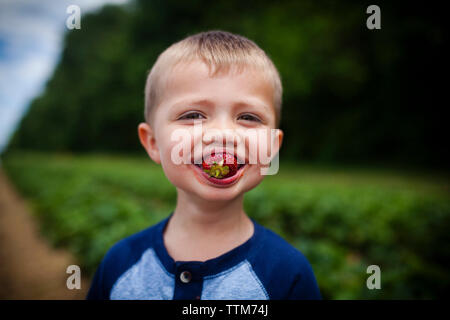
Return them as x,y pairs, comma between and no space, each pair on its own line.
29,267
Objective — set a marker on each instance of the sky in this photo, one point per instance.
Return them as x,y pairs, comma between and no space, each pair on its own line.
31,37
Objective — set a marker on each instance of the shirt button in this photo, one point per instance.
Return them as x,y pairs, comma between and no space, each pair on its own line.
185,276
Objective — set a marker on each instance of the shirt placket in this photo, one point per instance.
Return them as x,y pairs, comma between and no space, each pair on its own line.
188,281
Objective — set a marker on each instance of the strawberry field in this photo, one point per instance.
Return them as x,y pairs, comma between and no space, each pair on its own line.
342,219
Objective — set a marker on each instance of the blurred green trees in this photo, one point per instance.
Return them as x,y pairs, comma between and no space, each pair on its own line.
351,94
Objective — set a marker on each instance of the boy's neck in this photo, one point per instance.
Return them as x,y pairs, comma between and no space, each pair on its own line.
209,229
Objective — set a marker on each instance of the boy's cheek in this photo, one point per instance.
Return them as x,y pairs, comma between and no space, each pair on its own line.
176,174
268,147
254,174
171,161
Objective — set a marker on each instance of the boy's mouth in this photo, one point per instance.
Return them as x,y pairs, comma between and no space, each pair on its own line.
220,168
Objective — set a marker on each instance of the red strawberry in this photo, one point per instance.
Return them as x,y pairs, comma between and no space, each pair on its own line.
220,165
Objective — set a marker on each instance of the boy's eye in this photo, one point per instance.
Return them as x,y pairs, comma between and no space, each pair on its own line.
249,117
191,116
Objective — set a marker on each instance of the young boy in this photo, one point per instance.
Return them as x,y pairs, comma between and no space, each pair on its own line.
208,248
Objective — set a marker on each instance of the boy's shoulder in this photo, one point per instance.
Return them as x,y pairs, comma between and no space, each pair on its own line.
283,268
119,258
127,252
280,251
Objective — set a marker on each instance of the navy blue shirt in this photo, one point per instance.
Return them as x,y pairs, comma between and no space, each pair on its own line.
264,267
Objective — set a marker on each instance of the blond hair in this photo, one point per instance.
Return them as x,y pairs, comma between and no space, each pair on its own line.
219,50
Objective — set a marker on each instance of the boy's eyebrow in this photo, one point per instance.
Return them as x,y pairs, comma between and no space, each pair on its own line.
208,103
250,103
201,102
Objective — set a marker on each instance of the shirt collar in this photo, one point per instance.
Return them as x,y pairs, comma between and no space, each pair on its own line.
211,266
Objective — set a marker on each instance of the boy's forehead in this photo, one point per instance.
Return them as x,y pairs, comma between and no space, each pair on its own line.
196,76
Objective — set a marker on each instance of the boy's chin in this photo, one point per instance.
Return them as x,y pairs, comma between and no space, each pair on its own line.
210,193
220,194
214,194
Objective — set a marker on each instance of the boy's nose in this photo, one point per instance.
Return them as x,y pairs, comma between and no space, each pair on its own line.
220,132
225,137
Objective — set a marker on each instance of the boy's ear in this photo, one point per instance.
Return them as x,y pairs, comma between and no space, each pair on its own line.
279,136
148,141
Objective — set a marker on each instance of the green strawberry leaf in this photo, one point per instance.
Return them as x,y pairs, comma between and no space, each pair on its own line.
225,170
